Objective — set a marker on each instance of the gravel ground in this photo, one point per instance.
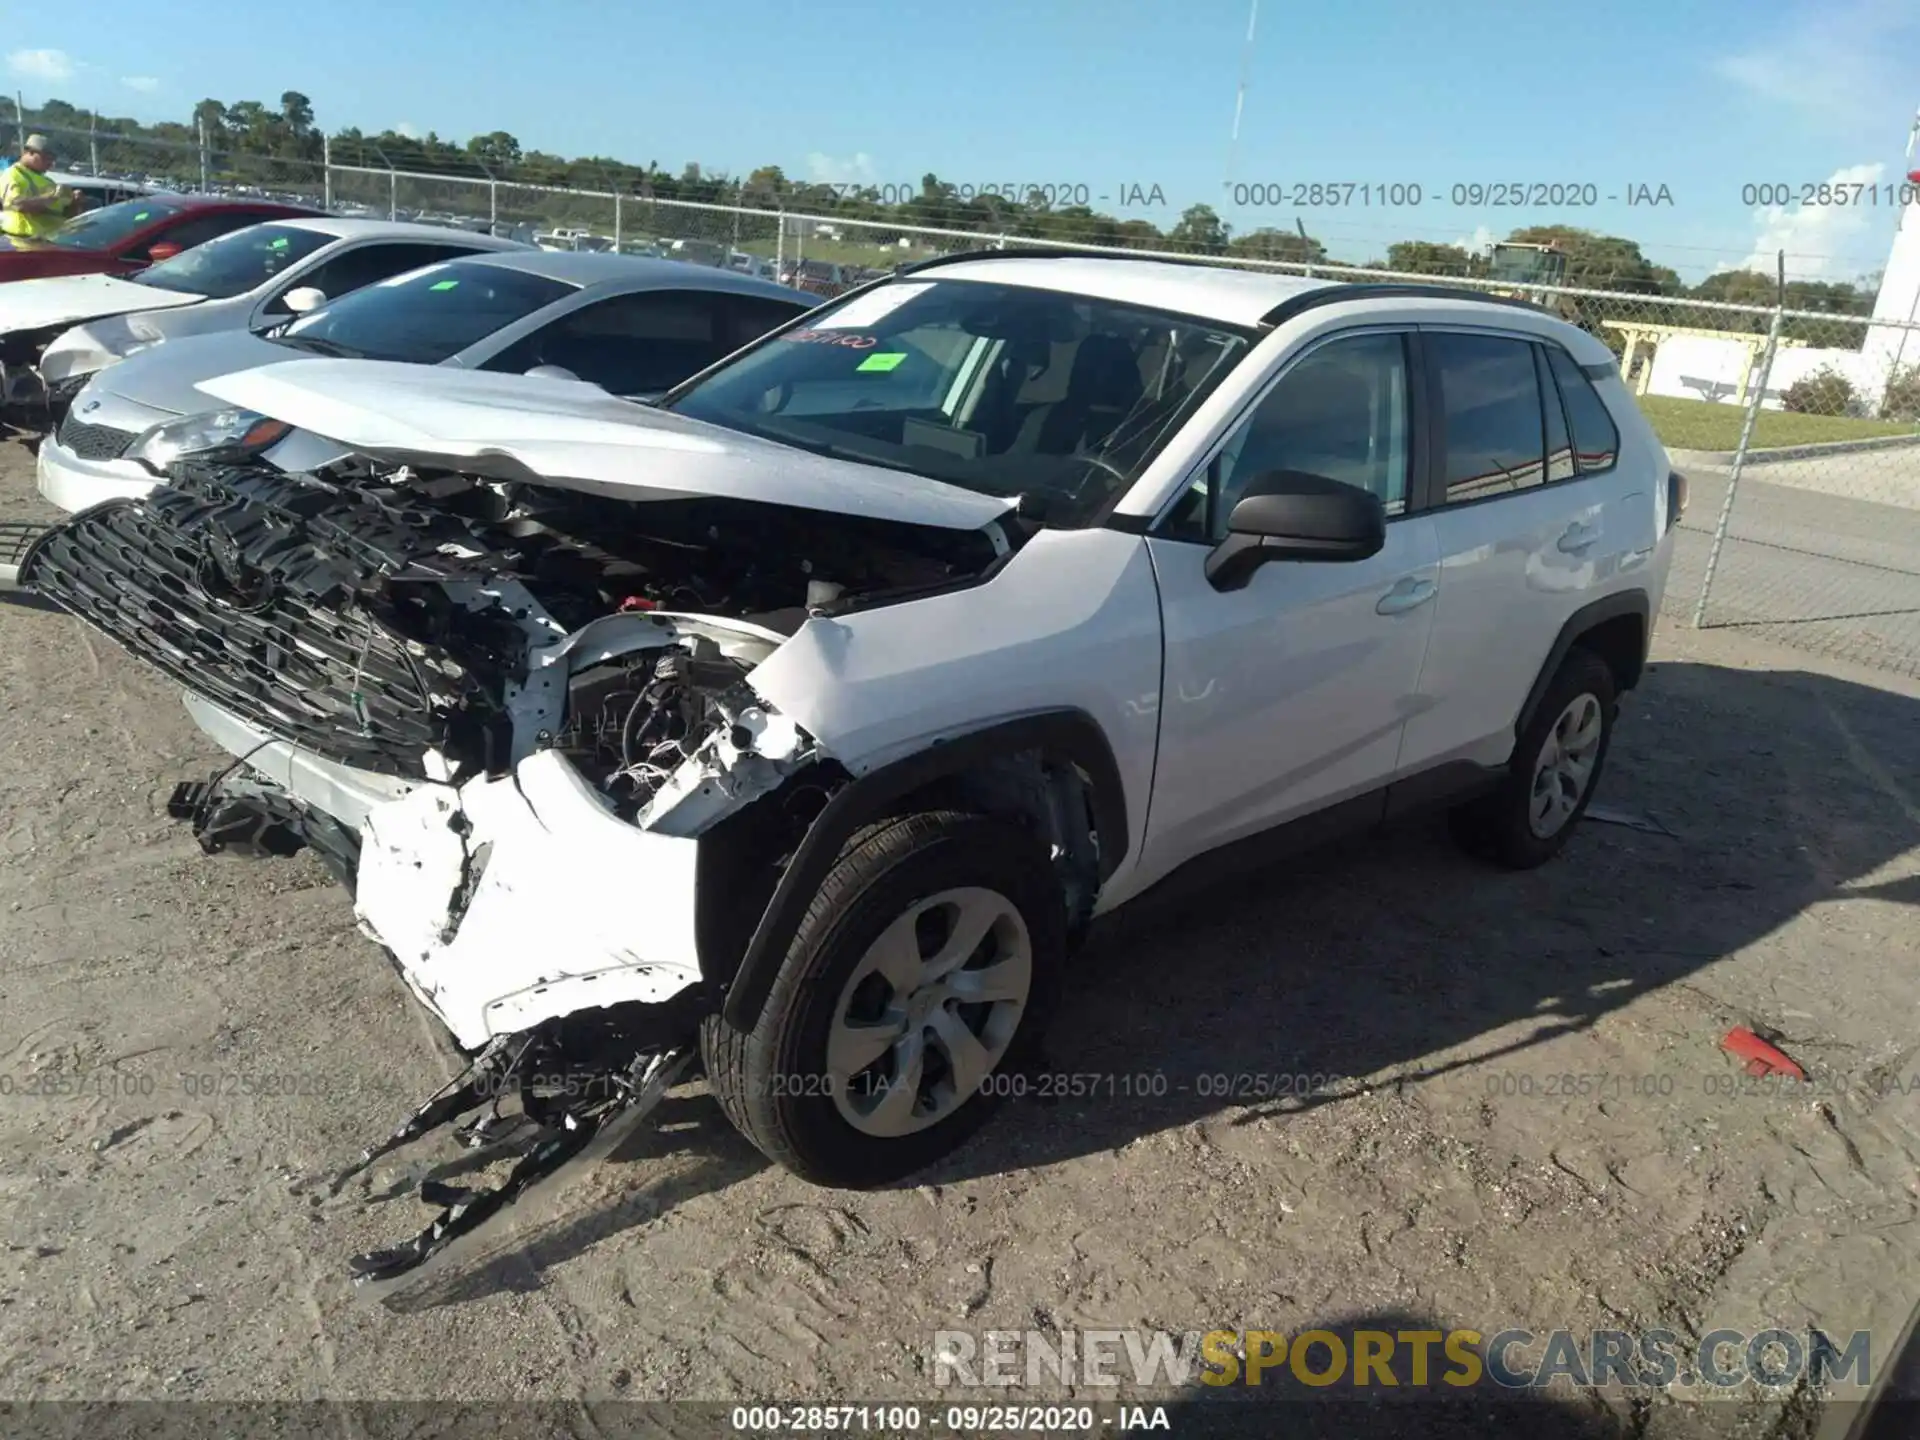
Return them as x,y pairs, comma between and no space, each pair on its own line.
167,1237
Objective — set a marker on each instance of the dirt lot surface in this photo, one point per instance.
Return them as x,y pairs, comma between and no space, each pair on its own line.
166,1234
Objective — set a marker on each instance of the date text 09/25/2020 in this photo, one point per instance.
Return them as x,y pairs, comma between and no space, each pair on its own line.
1292,194
1462,194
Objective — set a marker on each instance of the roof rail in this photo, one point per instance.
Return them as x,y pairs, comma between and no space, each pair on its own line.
1343,291
1331,291
1044,252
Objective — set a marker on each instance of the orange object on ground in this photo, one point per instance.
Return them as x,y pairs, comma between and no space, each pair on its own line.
1762,1057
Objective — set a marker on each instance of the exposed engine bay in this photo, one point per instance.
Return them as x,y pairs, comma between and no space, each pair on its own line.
555,687
408,624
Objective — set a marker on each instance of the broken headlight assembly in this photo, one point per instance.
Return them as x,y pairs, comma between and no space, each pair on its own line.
226,434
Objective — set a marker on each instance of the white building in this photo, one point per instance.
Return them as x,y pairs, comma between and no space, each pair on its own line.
1697,365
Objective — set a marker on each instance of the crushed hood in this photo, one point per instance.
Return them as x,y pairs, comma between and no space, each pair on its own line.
70,299
576,436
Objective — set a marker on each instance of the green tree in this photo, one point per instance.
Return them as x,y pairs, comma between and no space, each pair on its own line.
1199,230
1423,257
296,112
1272,244
210,117
497,150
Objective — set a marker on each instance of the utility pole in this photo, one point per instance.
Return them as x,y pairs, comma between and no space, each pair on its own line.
1240,95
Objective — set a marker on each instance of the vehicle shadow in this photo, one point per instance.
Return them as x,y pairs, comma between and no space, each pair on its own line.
1282,1407
1280,989
26,600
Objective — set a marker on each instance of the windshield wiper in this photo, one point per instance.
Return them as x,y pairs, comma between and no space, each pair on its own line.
321,346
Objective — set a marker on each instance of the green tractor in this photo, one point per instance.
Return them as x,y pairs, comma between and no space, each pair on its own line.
1517,262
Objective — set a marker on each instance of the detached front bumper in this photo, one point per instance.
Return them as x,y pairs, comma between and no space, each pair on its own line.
504,902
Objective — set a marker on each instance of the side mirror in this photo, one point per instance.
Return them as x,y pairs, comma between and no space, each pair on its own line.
1291,515
304,299
162,250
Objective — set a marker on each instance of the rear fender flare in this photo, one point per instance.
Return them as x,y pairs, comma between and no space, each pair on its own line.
1582,622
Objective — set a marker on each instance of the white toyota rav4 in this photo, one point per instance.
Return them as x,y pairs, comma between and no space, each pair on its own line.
805,720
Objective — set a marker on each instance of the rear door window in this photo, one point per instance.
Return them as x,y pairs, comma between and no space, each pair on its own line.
1492,415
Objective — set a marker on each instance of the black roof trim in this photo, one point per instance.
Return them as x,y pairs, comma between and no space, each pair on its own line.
1337,292
1047,252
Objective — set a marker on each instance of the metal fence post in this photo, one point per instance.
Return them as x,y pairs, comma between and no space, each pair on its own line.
617,219
326,173
1754,402
202,124
393,193
93,142
780,244
493,203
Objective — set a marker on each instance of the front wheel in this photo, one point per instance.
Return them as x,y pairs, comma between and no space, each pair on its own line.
926,966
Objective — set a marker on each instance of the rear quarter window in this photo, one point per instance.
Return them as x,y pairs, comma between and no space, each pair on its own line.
1596,439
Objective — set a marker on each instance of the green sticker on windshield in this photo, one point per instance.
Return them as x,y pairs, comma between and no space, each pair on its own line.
141,216
884,360
443,284
279,244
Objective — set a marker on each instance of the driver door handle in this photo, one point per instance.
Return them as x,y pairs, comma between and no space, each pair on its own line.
1578,537
1406,595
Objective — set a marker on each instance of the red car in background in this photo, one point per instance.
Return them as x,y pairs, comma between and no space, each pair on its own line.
125,238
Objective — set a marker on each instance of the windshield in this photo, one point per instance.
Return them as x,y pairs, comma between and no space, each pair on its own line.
106,227
236,263
998,388
425,316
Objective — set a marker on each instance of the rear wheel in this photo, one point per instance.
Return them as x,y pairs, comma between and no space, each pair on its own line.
926,966
1555,768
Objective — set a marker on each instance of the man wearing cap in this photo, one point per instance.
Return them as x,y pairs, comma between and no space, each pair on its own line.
31,205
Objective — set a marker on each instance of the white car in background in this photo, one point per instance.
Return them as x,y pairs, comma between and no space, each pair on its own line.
805,720
251,279
633,327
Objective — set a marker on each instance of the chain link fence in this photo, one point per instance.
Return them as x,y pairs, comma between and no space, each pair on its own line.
1799,431
1814,508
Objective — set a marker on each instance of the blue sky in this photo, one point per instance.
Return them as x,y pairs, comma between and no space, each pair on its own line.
1701,96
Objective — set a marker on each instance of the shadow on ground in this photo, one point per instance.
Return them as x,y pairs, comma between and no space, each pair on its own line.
1399,952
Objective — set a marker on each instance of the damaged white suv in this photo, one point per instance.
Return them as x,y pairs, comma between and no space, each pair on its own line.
806,720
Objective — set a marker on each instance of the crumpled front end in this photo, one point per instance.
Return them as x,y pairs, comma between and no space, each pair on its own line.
510,717
526,791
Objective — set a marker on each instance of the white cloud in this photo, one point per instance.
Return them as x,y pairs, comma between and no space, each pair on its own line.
1842,64
1823,242
408,129
146,84
1473,244
829,170
41,64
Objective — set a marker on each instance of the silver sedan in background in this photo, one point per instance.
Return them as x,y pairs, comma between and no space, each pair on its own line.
251,279
633,326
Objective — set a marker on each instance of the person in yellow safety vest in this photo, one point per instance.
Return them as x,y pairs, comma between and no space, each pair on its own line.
31,205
